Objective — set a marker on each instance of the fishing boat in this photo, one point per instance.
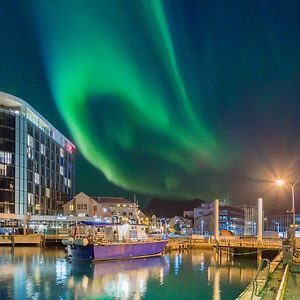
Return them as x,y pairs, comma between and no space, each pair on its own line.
91,241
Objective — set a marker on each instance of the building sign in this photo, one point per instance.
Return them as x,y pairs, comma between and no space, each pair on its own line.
70,147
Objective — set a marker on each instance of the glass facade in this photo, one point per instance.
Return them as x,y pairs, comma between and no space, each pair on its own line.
37,163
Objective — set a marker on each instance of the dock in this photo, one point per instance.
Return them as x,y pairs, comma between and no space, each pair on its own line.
20,239
278,280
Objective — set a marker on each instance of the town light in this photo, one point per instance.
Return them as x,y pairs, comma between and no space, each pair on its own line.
280,182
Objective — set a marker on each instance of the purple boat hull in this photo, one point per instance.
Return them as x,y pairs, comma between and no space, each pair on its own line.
118,251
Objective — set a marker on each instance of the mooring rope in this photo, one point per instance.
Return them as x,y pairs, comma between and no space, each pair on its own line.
246,253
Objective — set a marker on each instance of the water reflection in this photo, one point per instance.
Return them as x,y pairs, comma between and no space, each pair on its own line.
119,279
32,273
35,273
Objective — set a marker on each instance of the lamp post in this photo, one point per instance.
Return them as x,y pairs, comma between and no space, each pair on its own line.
280,182
278,226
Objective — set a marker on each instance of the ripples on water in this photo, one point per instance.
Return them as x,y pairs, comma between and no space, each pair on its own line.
34,273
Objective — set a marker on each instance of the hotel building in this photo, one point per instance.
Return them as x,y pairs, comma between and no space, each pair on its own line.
37,163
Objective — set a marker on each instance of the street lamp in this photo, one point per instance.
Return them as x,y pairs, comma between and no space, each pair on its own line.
281,182
278,226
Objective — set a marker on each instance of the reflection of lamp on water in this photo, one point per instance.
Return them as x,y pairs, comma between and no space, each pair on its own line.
217,285
202,231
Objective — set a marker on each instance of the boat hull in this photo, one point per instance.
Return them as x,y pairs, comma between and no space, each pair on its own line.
118,251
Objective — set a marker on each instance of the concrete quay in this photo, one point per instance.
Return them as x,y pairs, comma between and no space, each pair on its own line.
20,239
279,279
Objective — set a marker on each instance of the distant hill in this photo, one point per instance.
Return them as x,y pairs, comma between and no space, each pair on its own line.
170,208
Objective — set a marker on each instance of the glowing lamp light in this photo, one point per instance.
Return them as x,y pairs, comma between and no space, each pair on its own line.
280,182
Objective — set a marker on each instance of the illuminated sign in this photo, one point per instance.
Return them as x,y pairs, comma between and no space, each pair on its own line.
61,218
70,147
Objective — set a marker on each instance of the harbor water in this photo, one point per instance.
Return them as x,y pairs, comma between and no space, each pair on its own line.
37,273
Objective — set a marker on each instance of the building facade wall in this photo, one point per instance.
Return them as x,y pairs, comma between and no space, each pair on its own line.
230,218
279,223
83,206
250,220
37,164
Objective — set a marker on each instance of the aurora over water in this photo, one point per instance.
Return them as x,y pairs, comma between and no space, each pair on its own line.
164,98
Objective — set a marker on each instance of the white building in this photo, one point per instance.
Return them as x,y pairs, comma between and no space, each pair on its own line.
250,219
83,206
116,209
120,209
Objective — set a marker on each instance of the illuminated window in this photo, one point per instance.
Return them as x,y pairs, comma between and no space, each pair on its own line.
47,192
124,205
3,170
69,183
5,157
61,152
36,178
29,152
37,207
71,207
29,140
61,170
30,199
42,149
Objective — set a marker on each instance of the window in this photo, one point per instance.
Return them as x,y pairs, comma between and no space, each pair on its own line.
42,149
37,207
71,207
47,192
61,170
29,140
69,183
3,170
124,213
82,206
5,157
29,152
30,199
36,178
61,152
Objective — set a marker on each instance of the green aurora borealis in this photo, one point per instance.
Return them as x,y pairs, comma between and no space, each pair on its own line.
173,99
144,134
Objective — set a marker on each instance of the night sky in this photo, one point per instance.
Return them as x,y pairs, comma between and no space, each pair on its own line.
171,99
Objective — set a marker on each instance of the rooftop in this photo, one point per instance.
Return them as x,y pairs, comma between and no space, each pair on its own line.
19,106
117,200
